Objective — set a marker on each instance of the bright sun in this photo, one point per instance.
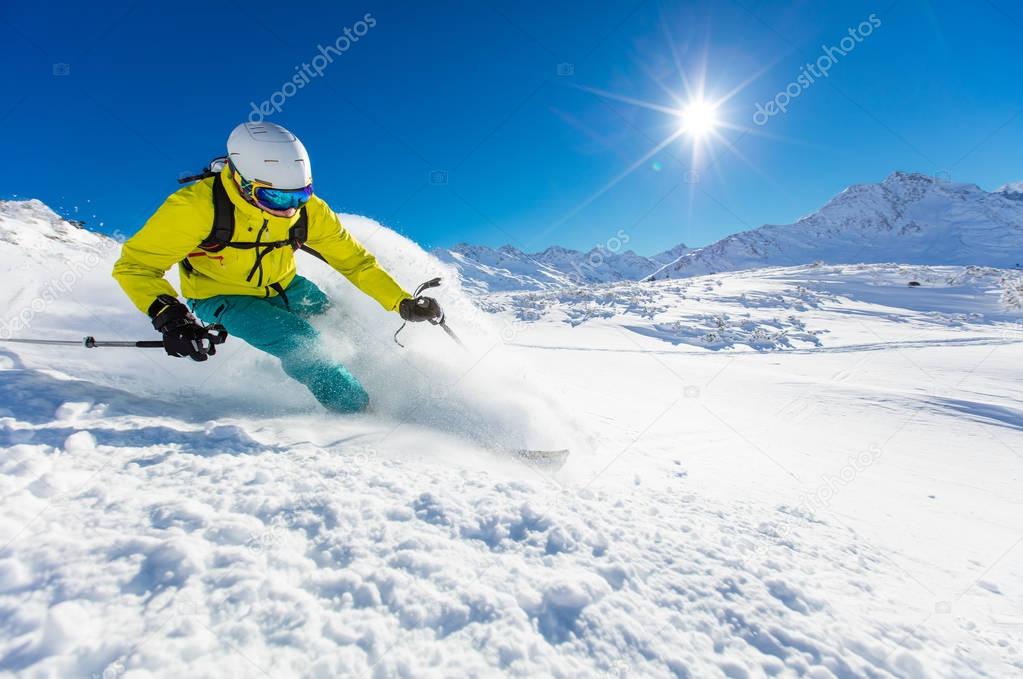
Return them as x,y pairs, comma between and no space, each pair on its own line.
699,119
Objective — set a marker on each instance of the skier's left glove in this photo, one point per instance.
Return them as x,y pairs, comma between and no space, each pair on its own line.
416,309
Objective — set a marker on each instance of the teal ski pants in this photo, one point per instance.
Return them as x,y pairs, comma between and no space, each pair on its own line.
281,328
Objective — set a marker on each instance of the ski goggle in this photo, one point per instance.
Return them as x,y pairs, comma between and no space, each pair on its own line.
282,199
270,198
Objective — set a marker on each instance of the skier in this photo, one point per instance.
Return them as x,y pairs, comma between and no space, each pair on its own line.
241,274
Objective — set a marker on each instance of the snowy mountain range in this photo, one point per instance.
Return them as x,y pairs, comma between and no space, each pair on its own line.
908,218
484,269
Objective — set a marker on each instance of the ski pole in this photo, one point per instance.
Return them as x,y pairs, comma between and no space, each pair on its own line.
90,343
451,333
216,334
432,283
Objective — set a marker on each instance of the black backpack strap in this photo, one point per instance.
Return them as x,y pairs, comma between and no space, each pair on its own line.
223,218
205,174
312,252
223,222
279,289
299,232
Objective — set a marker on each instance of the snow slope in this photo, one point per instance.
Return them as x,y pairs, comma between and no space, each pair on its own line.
806,471
907,218
484,269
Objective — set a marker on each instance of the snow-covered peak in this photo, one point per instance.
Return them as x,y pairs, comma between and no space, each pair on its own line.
900,177
557,251
510,250
671,254
33,226
1013,190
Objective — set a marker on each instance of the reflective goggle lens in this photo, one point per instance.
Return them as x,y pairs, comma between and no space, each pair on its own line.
281,199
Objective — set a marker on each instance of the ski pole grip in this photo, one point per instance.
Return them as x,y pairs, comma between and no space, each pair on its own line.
217,333
149,344
432,283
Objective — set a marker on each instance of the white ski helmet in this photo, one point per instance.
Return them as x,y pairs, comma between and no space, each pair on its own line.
268,153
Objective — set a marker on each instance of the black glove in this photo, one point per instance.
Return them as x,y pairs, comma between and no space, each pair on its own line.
183,335
417,309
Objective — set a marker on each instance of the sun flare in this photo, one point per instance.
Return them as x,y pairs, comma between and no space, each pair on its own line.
699,119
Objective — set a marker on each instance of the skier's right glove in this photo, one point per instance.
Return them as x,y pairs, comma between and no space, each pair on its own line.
417,309
183,335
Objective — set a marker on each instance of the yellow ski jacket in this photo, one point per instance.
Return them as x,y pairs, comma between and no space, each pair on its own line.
184,221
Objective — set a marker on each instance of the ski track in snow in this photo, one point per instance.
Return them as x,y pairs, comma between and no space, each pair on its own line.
167,519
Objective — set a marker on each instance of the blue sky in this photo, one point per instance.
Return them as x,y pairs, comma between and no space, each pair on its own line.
453,121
